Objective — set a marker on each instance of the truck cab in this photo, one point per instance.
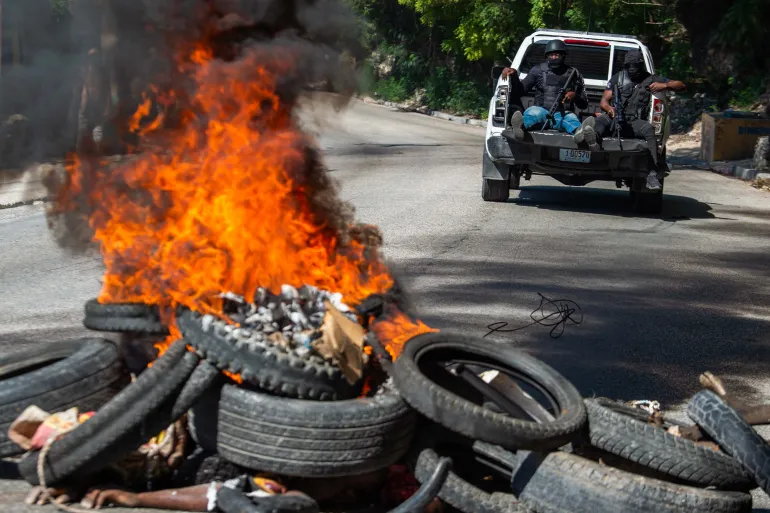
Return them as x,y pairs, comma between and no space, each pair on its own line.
598,57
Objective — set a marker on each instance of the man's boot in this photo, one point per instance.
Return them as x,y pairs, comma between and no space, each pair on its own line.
586,133
653,183
517,122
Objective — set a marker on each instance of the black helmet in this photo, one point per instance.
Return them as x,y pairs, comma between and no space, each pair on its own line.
555,45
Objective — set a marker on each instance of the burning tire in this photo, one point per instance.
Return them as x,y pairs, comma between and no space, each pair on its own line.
125,325
566,482
157,398
123,318
624,431
304,438
270,366
733,434
423,380
85,373
94,308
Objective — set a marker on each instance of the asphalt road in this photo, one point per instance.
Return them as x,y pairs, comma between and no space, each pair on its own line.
664,298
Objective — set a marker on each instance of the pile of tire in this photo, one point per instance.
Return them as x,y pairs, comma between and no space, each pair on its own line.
292,416
593,455
298,417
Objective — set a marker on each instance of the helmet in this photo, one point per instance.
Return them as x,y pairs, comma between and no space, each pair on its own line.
555,45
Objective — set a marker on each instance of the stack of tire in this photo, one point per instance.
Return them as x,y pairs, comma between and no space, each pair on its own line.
595,455
297,416
292,415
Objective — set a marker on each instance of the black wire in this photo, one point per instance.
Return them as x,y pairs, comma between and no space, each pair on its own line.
550,313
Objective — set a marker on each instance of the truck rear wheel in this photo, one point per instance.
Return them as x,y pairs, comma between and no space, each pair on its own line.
495,190
647,202
496,180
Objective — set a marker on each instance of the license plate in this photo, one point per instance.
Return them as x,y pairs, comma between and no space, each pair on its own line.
582,156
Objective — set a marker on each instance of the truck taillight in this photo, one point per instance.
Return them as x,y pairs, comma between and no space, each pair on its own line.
657,115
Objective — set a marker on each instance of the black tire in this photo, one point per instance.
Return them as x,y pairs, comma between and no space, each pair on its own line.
85,373
649,203
617,429
495,190
94,308
304,438
515,183
145,325
269,366
736,437
462,494
565,482
131,418
479,423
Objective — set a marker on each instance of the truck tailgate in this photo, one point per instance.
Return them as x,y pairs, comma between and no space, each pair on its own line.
543,151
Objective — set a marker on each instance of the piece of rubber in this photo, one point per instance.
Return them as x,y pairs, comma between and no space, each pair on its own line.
94,308
234,501
147,325
271,367
82,373
616,428
733,434
132,417
477,422
428,491
462,494
562,482
303,438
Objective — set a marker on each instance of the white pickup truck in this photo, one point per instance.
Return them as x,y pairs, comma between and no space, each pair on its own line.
625,162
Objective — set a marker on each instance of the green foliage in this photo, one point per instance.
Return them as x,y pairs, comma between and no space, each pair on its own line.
391,89
445,48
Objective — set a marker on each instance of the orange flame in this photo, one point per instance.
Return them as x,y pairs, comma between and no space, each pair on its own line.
397,329
222,207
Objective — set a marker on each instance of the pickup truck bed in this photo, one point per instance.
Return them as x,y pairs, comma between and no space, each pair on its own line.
549,152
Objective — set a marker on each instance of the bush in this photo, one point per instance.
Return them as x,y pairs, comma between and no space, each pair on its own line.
391,89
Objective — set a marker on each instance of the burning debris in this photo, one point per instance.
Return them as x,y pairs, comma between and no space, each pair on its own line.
294,317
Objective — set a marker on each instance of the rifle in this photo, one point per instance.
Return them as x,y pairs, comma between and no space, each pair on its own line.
619,117
559,98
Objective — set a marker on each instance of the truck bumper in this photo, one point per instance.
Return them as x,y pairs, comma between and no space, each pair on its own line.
540,151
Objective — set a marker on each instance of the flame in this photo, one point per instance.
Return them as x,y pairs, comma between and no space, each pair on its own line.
397,329
220,205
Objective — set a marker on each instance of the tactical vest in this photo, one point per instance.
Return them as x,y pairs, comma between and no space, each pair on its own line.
635,98
552,84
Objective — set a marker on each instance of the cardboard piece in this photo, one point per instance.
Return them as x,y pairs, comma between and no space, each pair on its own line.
731,135
342,342
34,427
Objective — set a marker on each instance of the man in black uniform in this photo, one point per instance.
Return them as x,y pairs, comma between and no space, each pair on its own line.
547,79
636,86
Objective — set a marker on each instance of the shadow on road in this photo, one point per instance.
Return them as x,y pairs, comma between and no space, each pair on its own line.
648,331
607,202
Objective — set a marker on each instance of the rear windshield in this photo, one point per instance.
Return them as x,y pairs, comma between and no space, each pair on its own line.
592,61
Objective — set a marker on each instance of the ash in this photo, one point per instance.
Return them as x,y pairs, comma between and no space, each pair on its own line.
292,318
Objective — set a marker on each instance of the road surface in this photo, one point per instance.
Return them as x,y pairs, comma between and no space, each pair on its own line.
664,298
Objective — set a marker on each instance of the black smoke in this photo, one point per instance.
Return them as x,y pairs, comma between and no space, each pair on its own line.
306,44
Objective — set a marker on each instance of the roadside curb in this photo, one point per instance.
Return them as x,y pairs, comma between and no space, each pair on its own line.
428,112
741,171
